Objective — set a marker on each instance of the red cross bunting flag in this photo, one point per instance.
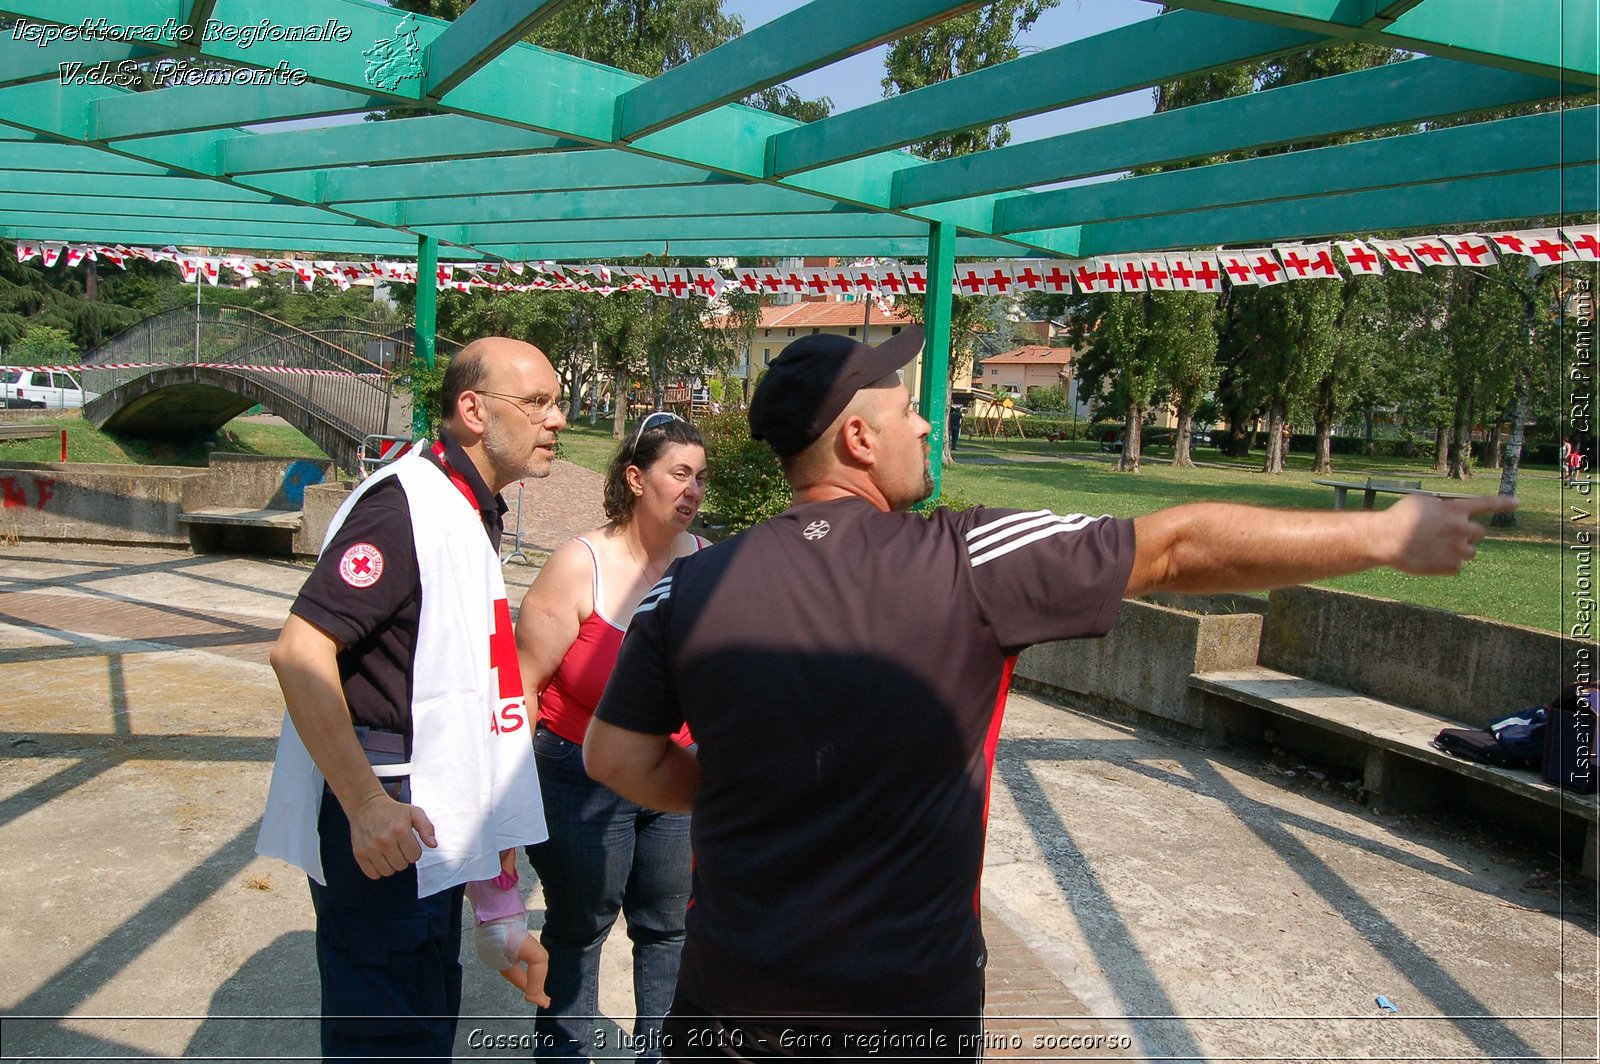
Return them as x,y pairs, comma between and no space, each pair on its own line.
52,252
842,281
190,268
999,278
1510,243
1360,256
818,282
1267,269
26,251
1585,241
1302,262
1431,251
1156,277
117,257
707,282
1057,277
1237,266
1397,256
864,276
1026,277
211,269
1471,248
890,281
1547,247
1130,272
1195,271
748,280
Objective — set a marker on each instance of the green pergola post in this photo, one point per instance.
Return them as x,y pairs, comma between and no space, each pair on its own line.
935,384
427,316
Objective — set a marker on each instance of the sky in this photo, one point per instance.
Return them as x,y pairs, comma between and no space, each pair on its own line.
855,82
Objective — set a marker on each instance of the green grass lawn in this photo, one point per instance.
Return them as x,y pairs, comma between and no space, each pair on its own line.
85,443
1516,576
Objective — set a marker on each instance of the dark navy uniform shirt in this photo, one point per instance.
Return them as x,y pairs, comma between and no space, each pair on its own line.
365,592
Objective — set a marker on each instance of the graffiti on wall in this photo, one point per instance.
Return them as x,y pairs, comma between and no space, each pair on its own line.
15,493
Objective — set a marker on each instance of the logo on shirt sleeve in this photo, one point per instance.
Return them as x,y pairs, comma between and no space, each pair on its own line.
361,565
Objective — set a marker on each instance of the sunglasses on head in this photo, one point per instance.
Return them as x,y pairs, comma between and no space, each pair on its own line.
656,420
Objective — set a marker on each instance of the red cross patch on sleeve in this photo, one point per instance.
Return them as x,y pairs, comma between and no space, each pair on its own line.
361,565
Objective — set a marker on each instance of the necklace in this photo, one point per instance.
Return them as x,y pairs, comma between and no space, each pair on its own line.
633,555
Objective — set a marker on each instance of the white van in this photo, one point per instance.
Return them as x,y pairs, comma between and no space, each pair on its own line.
48,389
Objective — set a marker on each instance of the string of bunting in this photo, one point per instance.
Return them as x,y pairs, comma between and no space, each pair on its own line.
884,280
237,367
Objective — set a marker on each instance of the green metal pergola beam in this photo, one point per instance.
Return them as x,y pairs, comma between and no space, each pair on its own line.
282,231
1503,197
199,107
1398,94
243,244
1547,38
483,31
1107,64
1506,146
182,189
793,44
434,137
22,61
50,157
127,206
896,247
752,227
642,202
575,101
564,171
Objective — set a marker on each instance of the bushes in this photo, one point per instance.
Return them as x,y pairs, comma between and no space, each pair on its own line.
743,482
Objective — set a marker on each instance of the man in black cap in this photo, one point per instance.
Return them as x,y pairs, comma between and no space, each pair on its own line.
843,667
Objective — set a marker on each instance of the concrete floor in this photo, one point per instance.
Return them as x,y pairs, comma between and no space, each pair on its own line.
1202,906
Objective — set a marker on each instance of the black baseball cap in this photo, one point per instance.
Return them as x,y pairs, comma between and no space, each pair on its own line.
813,380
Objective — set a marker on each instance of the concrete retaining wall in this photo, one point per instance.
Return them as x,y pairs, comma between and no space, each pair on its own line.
1467,668
257,482
321,502
1144,664
140,504
95,503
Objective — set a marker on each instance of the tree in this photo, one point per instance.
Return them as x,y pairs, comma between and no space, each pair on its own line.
43,345
1357,345
647,37
1186,335
958,46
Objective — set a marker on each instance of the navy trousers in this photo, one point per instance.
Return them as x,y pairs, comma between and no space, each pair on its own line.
389,961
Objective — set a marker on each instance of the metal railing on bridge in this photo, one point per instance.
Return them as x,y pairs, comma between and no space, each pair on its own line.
310,369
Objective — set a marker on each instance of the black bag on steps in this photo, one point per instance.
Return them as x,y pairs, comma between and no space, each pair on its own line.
1569,738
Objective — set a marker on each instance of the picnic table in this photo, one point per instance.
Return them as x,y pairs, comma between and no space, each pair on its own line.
1372,486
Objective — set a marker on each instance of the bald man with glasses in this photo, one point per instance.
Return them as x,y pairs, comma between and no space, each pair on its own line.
405,766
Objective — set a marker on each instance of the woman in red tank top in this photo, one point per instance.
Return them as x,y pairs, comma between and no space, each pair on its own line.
605,854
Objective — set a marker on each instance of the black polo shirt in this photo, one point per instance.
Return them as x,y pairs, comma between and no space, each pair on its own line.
843,671
365,592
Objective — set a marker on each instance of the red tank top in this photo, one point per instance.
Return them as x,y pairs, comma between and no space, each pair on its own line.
568,700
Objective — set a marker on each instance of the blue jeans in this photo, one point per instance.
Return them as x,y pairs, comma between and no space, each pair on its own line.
604,855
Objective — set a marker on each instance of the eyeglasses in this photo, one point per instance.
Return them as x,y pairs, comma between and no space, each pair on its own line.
535,406
658,419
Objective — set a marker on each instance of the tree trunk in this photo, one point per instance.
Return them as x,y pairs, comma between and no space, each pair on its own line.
1491,446
1367,446
1461,439
1180,445
619,402
1441,443
1275,419
1513,454
1129,462
91,281
1323,461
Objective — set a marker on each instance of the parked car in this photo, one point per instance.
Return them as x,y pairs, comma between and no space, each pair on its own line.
41,389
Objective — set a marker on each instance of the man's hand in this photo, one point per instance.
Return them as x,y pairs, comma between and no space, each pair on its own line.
384,835
1432,537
